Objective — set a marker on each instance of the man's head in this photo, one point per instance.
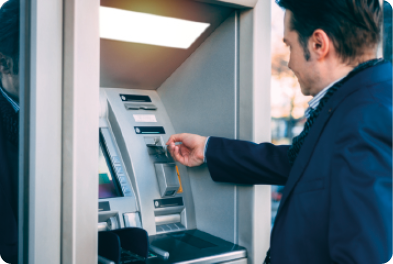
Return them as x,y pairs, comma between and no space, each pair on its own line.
9,46
327,38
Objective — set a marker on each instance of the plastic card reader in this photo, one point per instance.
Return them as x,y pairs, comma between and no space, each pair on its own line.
166,173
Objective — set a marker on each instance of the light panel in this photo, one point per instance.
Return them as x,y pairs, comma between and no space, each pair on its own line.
130,26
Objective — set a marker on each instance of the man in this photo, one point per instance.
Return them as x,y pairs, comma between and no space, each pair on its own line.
337,201
9,121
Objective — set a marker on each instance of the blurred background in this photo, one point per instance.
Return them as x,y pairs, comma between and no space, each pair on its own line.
287,102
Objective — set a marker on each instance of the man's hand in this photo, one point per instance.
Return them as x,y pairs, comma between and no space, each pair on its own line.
191,150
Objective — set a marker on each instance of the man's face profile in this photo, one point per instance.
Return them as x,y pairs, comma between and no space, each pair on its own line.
302,68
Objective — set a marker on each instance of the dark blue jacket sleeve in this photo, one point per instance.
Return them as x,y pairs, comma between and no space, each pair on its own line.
360,223
245,162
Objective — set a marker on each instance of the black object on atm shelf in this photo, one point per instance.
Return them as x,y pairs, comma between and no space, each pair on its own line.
109,246
191,245
123,243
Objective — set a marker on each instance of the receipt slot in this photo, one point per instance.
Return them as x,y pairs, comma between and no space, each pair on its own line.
167,179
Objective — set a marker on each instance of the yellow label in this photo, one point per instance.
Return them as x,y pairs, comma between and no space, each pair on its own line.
178,175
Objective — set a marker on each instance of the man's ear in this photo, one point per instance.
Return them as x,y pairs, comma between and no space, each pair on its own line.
320,44
5,64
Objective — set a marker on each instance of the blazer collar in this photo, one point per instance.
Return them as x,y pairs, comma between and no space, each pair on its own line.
375,74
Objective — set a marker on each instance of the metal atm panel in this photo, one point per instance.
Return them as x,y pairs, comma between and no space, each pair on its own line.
165,206
144,154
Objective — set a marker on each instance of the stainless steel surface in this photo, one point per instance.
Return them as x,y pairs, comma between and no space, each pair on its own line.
170,227
119,206
159,252
167,219
237,261
80,102
253,203
102,260
105,216
217,259
111,219
150,141
114,222
102,226
40,156
156,146
200,98
132,220
168,183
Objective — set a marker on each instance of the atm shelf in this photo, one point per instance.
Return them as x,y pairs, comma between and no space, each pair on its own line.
194,246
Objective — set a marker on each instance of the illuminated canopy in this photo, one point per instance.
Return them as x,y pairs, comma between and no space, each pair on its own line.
129,26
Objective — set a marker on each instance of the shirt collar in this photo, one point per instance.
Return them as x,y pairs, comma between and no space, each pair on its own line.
14,104
314,102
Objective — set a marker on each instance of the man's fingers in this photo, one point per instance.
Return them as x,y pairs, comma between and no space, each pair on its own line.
175,138
177,155
190,152
171,148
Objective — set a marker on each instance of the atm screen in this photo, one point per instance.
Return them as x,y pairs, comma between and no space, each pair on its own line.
108,186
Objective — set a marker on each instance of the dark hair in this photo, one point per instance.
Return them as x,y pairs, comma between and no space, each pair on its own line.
352,25
9,34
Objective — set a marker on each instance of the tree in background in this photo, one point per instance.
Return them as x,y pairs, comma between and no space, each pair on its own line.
288,103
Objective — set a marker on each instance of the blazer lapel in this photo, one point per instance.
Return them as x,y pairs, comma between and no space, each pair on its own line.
378,73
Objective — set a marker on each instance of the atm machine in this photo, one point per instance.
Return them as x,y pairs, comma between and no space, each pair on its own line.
162,201
150,92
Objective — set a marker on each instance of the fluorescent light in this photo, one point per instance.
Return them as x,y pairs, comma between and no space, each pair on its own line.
150,29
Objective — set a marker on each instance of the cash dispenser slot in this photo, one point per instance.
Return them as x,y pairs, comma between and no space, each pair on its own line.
140,106
166,173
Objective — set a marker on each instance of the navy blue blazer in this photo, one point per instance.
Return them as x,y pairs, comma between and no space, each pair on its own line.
337,201
8,200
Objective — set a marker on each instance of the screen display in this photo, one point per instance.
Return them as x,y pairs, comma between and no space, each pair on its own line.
108,186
